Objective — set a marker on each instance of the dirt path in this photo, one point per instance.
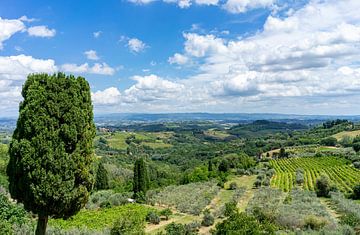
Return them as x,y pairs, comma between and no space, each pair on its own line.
244,200
329,208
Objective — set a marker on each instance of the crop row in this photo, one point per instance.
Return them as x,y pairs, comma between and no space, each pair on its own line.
345,177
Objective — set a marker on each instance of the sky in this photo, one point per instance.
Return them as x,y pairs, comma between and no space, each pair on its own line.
169,56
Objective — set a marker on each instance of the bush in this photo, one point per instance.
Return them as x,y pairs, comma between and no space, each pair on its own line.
356,146
153,218
175,229
233,186
230,208
241,223
208,219
356,192
129,224
322,187
166,212
350,219
314,222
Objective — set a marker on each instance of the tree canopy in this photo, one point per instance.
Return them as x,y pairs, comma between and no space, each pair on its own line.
51,150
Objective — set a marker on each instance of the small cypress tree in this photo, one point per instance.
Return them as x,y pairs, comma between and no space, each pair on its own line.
210,166
141,179
101,178
52,147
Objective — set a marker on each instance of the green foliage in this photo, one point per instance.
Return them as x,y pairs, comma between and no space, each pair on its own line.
175,229
243,224
103,218
329,141
356,192
166,213
10,212
208,219
356,146
190,198
129,224
101,178
141,179
230,208
153,217
323,186
51,149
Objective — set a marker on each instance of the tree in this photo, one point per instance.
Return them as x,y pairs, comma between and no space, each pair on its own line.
141,179
210,166
356,192
52,147
101,178
223,166
322,186
283,153
166,212
356,146
208,219
329,141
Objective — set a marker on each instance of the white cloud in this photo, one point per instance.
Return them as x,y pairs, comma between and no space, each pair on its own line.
97,68
41,31
97,34
141,2
178,59
9,28
108,96
241,6
91,55
136,45
13,72
26,19
207,2
307,58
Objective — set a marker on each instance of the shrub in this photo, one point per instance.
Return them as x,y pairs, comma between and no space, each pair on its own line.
153,218
350,219
233,186
356,192
166,212
314,222
175,229
241,223
208,219
230,208
322,187
129,224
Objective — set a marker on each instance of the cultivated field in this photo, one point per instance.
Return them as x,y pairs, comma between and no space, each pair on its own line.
340,173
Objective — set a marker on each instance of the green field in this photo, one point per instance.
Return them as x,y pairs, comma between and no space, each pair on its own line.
102,218
117,140
351,134
342,175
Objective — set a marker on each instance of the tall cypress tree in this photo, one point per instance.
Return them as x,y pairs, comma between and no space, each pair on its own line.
141,179
101,178
52,147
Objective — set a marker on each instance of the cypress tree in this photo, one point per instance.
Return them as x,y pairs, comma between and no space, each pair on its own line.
52,147
141,179
101,178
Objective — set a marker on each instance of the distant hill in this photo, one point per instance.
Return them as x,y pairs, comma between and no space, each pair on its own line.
218,117
264,127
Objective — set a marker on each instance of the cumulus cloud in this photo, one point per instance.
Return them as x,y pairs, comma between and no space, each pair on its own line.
91,55
108,96
8,28
97,68
178,59
241,6
41,31
13,72
305,58
233,6
136,45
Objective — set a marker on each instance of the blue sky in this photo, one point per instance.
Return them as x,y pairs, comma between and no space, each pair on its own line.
188,55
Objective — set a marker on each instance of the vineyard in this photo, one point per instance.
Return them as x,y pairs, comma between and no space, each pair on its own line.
340,173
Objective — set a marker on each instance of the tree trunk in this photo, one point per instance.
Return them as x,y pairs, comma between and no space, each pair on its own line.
41,225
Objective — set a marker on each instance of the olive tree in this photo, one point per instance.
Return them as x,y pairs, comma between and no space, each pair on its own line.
52,147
